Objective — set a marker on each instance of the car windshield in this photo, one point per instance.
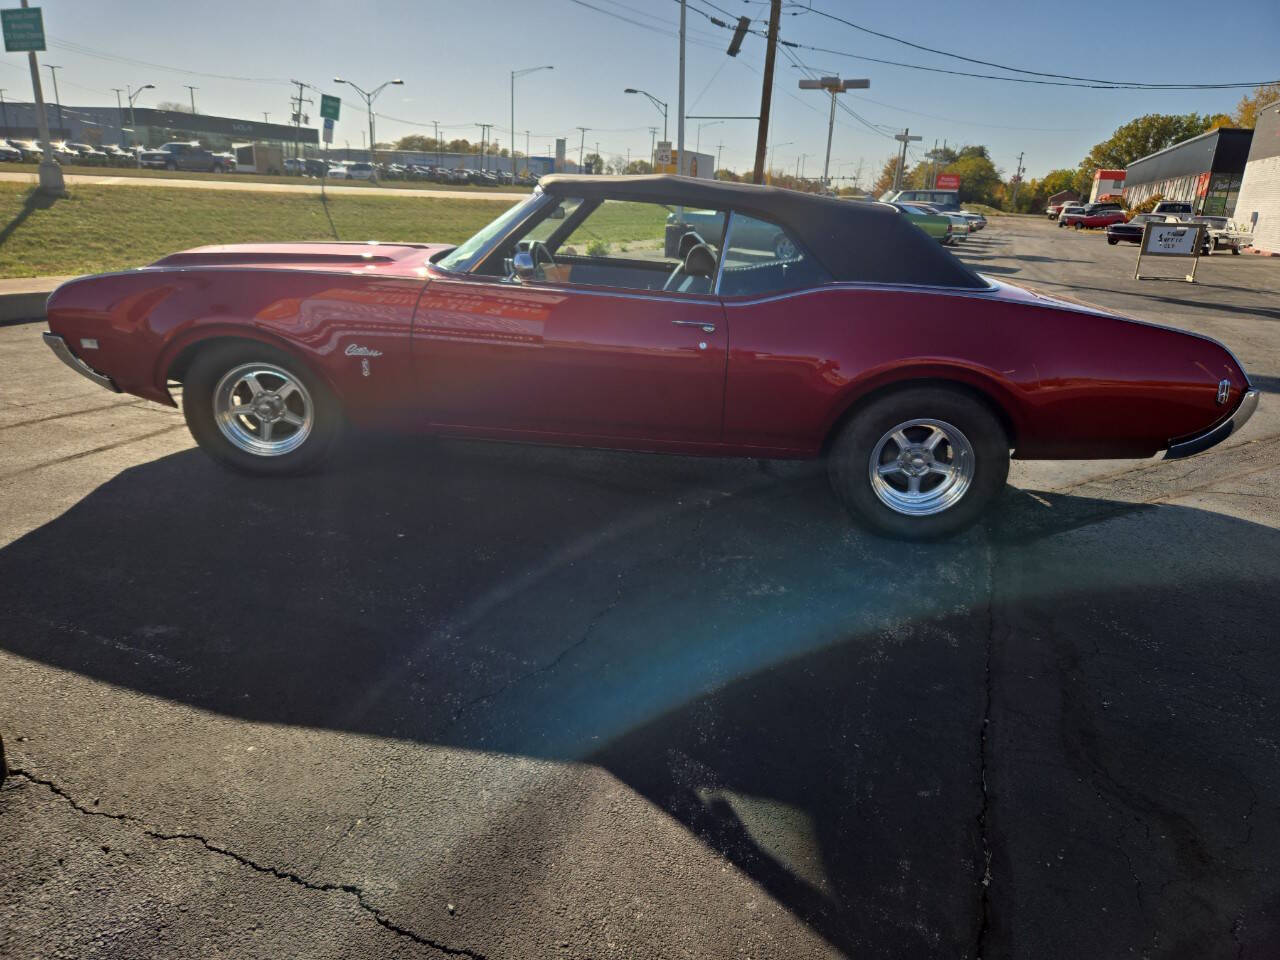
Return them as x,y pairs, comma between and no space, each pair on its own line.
464,256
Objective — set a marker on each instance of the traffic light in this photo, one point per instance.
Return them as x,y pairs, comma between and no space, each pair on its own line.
739,32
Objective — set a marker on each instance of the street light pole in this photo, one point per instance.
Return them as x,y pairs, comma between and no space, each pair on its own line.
51,182
772,148
834,86
698,141
119,114
514,74
133,95
660,104
369,97
53,72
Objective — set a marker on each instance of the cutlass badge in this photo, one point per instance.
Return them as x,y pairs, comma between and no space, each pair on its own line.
364,353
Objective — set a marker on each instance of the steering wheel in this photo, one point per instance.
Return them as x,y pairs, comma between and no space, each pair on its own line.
541,254
673,280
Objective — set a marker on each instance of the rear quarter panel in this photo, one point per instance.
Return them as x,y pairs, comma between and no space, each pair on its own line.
1071,383
145,319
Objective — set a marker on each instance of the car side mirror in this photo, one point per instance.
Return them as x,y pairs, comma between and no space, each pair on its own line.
556,214
522,265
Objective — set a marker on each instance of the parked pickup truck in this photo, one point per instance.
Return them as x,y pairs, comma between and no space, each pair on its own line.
1221,234
184,156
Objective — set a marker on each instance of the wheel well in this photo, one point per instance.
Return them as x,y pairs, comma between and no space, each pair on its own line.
180,364
959,387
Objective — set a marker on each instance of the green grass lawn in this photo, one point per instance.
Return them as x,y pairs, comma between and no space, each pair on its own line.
99,228
134,172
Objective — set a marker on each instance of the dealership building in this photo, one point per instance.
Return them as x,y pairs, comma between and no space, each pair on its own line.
1258,206
108,125
1205,171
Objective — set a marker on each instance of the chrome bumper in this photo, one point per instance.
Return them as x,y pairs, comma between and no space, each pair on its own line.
1212,438
63,353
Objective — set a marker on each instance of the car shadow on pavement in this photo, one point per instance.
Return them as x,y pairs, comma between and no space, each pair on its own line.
1076,701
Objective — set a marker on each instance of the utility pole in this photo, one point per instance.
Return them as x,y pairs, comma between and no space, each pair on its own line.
904,138
297,102
766,93
484,140
684,165
1017,181
653,140
4,111
599,159
719,147
526,153
582,146
435,126
53,72
266,117
192,90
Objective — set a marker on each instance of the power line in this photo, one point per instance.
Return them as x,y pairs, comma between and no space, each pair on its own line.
1036,73
88,51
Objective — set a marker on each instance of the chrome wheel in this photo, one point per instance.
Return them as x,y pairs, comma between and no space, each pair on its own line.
921,467
263,409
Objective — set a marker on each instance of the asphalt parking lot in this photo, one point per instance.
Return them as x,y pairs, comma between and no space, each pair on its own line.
493,701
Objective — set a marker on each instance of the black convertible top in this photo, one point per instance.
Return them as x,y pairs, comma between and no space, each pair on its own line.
854,240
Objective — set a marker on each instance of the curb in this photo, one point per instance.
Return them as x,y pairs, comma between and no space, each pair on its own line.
22,307
23,300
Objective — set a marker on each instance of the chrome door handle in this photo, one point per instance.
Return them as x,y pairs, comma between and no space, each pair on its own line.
706,327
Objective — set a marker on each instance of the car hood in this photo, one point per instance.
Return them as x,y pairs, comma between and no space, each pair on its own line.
368,257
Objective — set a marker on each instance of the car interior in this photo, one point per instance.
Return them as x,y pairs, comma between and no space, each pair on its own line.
563,247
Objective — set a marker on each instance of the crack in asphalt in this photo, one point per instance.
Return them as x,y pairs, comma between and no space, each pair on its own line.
984,898
355,822
377,915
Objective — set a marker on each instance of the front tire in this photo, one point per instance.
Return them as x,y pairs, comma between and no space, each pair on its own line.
920,463
258,410
1112,240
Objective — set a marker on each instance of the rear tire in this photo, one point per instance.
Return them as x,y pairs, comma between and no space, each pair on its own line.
291,420
1112,240
952,449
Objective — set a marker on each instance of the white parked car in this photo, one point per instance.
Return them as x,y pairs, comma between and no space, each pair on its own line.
337,171
1069,209
359,171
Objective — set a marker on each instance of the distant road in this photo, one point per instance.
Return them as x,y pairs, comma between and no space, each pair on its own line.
310,187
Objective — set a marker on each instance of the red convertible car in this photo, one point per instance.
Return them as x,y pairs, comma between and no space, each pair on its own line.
591,313
1093,218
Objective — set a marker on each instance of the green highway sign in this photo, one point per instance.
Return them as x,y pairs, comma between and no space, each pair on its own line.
328,105
23,29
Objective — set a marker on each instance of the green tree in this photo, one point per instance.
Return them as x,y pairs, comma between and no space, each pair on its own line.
884,182
1246,114
1137,139
593,163
416,141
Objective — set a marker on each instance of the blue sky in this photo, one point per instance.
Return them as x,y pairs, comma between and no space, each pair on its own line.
455,58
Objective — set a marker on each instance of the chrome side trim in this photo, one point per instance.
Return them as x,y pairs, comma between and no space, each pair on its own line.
63,353
724,252
1211,438
702,299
